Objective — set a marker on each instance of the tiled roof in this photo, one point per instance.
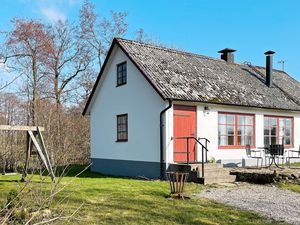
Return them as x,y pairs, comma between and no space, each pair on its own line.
184,76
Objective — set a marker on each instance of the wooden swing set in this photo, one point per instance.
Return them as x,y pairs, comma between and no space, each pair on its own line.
35,139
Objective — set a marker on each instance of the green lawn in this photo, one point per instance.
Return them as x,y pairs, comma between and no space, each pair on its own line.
292,187
112,200
295,164
289,186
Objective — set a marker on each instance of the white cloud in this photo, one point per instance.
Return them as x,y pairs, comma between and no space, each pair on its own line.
52,14
52,10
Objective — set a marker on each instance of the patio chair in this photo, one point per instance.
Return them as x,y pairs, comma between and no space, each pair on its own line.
267,154
254,154
292,154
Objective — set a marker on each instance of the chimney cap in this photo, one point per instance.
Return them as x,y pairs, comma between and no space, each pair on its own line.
225,50
269,52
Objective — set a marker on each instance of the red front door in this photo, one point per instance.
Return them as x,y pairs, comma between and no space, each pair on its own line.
184,126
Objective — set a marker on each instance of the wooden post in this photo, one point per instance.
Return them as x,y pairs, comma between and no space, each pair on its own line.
34,137
20,128
43,157
3,164
28,153
45,152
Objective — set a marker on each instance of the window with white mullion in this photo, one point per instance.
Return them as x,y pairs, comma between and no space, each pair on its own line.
235,129
278,130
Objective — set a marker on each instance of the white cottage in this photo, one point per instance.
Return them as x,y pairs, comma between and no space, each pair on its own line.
153,106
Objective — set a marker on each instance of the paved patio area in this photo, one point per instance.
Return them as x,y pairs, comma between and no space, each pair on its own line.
269,201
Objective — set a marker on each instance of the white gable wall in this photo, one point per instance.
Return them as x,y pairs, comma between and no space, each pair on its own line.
142,104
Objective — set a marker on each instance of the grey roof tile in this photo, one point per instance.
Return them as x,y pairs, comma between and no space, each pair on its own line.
186,76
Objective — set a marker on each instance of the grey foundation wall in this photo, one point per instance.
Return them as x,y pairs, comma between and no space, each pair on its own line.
128,168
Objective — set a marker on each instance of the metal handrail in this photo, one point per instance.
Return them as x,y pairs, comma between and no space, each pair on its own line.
203,148
206,140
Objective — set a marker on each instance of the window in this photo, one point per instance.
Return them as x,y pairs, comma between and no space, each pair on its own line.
235,130
278,130
122,127
121,74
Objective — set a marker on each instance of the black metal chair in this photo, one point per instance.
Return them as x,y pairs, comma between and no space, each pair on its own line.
253,154
292,154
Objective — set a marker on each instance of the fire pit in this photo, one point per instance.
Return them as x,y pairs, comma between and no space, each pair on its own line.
177,181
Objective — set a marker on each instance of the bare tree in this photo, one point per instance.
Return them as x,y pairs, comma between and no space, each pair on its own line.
58,64
25,54
140,36
68,59
87,82
98,32
12,111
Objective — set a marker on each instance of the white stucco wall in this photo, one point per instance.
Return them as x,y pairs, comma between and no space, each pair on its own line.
140,101
207,127
143,105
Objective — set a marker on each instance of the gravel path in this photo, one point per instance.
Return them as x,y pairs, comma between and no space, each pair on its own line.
274,203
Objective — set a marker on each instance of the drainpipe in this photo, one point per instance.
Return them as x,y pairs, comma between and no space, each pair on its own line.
162,139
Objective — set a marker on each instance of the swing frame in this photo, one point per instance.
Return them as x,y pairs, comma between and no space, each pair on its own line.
34,138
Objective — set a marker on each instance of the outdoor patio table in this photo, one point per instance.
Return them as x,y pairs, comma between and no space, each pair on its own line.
275,151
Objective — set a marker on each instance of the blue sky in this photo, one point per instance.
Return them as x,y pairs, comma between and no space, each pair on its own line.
199,26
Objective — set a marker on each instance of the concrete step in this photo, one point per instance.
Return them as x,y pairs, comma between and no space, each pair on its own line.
221,179
214,169
218,173
213,173
207,166
212,177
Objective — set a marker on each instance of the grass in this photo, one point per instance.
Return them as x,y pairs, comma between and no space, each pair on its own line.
297,164
115,200
290,186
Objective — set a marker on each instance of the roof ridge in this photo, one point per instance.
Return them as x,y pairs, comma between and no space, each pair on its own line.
170,49
277,70
275,84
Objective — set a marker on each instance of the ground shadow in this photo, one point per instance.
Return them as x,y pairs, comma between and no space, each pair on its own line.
9,181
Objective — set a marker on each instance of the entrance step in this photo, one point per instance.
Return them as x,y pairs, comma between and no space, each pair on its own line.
214,173
218,180
207,166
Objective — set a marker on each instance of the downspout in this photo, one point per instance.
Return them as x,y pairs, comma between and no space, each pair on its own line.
162,138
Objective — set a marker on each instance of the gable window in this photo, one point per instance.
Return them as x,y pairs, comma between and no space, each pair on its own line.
122,127
235,130
278,130
121,73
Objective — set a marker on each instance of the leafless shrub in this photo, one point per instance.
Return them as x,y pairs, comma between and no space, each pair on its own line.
37,201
